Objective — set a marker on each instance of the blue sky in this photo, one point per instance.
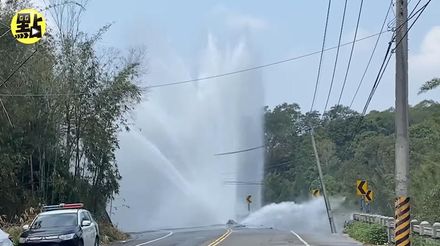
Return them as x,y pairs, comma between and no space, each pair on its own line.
275,30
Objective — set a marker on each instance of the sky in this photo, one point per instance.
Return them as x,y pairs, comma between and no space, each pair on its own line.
176,32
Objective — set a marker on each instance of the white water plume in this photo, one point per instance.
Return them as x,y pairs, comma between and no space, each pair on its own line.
305,217
172,176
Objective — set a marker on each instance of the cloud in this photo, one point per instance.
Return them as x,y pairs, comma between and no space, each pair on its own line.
425,64
428,59
237,21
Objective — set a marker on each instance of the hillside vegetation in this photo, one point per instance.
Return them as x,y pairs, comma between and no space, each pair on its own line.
352,147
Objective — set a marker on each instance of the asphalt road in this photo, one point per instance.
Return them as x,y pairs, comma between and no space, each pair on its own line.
241,236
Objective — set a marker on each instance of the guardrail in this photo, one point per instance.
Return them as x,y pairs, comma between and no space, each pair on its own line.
422,228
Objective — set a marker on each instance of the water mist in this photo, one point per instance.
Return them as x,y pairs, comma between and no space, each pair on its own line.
172,176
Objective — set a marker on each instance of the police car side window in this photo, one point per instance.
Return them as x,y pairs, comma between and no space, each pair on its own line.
81,217
86,216
90,216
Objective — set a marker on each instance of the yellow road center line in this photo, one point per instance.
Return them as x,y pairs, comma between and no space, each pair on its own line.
221,238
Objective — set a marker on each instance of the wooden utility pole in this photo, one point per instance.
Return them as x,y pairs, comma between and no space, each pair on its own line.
402,206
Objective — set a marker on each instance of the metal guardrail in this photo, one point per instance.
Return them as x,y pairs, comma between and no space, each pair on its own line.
422,228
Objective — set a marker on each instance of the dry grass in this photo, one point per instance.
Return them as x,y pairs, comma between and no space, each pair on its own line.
13,226
110,234
18,220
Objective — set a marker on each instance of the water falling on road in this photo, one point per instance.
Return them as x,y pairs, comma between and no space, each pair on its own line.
306,217
171,175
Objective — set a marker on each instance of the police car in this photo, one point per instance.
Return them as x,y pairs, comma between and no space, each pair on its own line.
64,225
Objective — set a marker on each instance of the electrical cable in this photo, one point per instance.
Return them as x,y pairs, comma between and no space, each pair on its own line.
421,10
15,70
390,52
337,56
5,33
212,76
322,53
372,55
378,77
241,151
351,52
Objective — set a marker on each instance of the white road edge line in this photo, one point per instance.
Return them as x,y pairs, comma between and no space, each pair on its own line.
157,239
302,240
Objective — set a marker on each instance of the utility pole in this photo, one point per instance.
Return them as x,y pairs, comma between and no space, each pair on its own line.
402,205
324,191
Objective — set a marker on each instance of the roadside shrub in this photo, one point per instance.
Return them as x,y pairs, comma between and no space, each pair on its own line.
423,241
367,233
14,232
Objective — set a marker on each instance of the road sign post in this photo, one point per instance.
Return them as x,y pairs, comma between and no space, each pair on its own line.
366,194
249,201
316,193
361,187
369,196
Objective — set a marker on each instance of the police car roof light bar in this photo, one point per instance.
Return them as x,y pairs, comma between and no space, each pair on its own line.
63,206
73,205
51,207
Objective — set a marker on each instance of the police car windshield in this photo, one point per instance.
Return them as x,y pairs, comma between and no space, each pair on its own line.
55,220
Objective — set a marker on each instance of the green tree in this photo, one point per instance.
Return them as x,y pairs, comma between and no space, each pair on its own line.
350,147
61,113
429,85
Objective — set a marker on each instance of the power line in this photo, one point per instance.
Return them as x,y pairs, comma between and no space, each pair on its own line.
351,52
3,24
412,14
372,54
21,65
379,75
243,183
241,151
415,7
381,72
1,36
274,165
421,10
390,52
337,56
6,113
256,67
327,202
322,53
212,76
